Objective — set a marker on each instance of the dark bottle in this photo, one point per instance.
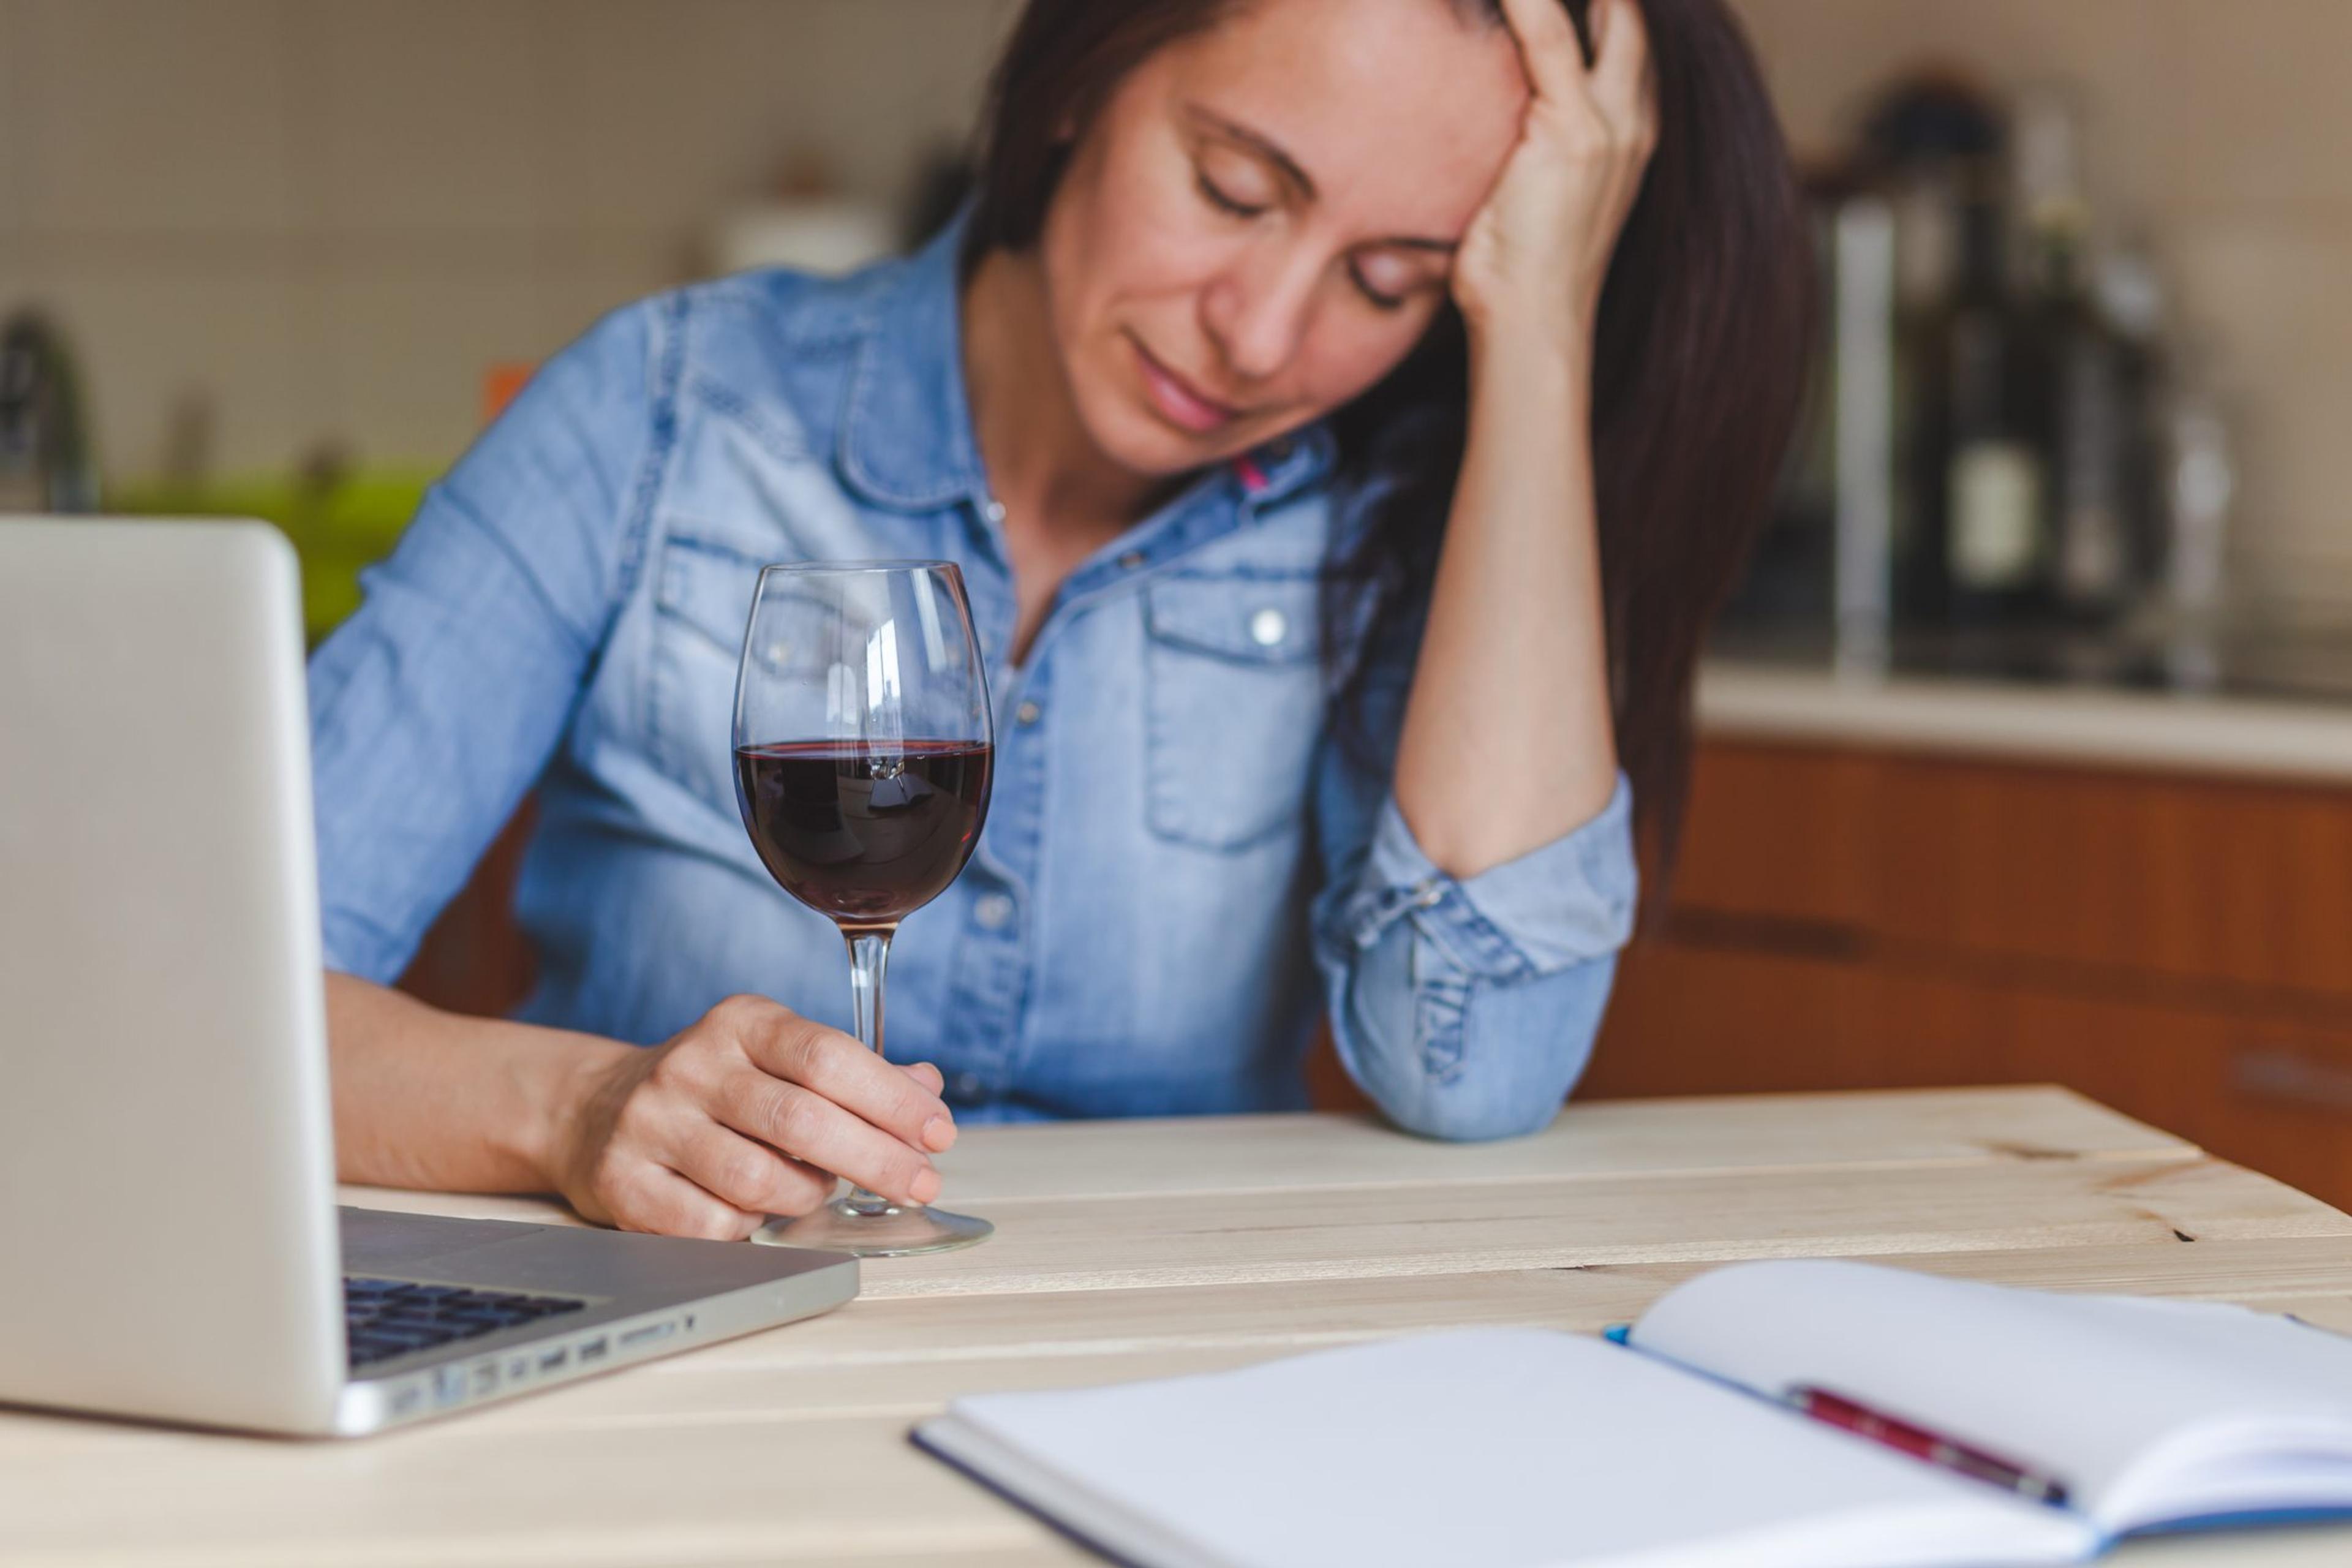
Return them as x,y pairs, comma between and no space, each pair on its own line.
2131,302
1930,143
46,462
1980,470
2079,362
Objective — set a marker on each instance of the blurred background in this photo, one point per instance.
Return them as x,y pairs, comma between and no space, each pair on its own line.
2024,756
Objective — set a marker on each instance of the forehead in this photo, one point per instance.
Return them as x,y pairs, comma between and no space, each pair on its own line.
1401,111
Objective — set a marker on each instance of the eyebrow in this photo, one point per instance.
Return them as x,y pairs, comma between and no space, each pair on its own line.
1287,167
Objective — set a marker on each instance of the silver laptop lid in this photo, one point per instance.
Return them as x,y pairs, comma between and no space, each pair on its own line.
166,1162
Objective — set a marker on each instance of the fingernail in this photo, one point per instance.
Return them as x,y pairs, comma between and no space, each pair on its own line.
938,1132
925,1186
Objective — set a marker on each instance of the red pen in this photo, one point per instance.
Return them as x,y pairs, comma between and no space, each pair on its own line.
1847,1415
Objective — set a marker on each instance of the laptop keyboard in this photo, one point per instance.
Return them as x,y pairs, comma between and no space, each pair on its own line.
388,1317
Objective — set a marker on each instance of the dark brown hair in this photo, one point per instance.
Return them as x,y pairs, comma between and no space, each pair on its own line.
1699,357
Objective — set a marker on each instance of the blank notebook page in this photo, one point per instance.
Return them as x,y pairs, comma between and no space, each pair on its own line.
2086,1388
1485,1448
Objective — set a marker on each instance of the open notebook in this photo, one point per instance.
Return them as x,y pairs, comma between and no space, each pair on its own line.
2083,1418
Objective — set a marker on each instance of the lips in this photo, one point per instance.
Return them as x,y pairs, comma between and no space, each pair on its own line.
1178,401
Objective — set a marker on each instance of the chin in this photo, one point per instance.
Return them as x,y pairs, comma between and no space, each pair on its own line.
1152,448
1125,429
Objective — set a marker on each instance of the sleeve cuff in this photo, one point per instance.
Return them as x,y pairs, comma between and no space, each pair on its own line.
1560,904
354,946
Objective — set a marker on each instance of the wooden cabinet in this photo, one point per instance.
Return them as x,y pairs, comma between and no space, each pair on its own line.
2179,948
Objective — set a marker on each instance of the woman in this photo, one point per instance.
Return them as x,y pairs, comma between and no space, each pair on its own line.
1336,512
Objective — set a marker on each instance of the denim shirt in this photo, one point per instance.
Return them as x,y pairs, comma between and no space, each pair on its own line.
1181,866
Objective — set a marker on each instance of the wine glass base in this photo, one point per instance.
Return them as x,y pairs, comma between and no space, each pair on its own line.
894,1231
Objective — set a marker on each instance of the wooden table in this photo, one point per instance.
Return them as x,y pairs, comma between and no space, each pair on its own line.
1137,1250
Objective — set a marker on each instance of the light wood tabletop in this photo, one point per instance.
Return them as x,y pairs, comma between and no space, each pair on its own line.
1139,1249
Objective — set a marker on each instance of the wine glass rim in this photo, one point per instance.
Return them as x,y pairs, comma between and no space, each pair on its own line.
873,565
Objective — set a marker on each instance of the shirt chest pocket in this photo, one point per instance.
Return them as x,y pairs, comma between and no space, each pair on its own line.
1234,705
702,601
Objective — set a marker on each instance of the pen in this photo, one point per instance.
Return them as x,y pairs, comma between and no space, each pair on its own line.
1852,1415
1847,1415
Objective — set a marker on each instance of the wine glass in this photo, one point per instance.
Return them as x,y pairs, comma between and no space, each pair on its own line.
863,743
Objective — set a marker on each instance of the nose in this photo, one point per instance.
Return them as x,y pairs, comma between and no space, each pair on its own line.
1256,310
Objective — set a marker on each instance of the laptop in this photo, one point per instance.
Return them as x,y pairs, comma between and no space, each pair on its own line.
170,1244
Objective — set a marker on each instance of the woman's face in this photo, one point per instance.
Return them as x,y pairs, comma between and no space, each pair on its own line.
1260,222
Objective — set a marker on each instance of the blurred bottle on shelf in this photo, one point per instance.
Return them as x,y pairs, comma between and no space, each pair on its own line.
1992,447
2130,294
1864,261
1852,542
2075,367
2198,487
1983,467
1931,148
47,464
1972,538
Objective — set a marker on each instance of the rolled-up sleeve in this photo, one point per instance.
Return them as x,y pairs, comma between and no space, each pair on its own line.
434,708
1467,1008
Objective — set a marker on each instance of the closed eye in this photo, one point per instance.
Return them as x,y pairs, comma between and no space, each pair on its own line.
1380,299
1217,198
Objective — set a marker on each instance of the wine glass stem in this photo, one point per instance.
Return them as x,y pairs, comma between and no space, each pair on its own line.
869,955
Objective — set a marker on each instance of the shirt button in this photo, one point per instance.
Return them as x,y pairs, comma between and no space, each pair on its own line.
1269,628
964,1085
1130,561
1428,894
1027,713
994,511
992,911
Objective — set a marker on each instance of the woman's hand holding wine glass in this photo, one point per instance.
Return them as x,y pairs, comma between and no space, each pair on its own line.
864,746
862,749
750,1111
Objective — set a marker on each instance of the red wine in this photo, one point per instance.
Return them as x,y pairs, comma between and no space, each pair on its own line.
864,838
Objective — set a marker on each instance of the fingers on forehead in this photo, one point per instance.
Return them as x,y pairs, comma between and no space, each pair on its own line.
1547,41
1623,71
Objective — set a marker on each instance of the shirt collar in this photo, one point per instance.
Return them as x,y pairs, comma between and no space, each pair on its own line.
906,431
905,440
1270,473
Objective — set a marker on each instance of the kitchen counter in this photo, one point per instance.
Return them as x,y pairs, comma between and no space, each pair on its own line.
2256,734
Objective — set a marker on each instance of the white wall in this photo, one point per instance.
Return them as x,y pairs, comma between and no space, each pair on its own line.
335,214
